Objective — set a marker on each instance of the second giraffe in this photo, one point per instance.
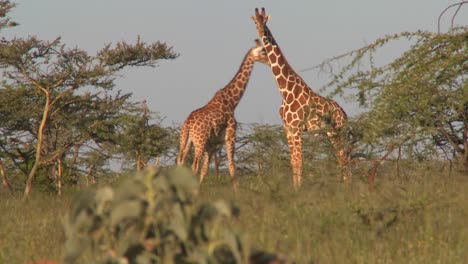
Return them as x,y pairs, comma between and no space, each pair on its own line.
302,109
206,126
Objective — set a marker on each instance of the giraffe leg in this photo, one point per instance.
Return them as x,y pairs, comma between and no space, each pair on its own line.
184,154
230,139
206,163
294,137
199,151
184,145
195,165
343,161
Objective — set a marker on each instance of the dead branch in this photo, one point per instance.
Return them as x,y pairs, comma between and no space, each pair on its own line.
458,5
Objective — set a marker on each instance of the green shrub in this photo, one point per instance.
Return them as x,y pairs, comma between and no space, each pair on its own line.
151,218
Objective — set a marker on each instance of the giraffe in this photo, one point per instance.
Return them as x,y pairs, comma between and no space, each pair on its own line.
302,109
205,127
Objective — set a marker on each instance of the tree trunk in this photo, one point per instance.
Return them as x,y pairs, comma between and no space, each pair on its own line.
139,161
89,177
40,138
4,178
59,177
465,147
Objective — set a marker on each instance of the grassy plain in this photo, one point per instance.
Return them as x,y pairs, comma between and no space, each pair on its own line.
417,216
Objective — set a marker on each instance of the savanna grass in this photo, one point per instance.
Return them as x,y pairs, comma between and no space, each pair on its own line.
31,229
418,215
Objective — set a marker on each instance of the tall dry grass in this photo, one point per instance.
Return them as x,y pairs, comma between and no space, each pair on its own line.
31,229
417,216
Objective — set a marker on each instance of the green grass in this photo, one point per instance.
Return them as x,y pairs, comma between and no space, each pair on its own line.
420,216
31,229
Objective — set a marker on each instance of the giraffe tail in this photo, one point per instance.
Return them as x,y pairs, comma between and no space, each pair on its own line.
184,144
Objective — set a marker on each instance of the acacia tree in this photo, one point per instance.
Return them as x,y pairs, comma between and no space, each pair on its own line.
142,137
57,72
418,103
82,123
86,126
5,7
264,146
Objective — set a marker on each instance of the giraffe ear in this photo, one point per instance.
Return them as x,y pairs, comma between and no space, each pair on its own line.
267,18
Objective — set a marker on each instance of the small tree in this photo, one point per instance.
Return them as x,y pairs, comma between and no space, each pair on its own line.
262,147
139,140
57,72
84,123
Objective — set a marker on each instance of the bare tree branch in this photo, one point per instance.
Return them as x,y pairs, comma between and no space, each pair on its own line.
459,4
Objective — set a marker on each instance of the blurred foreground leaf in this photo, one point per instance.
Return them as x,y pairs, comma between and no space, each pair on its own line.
151,218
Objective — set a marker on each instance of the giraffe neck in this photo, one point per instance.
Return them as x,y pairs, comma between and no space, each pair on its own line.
231,94
287,80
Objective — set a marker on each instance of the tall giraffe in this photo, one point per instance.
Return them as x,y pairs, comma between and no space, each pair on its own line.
302,109
206,126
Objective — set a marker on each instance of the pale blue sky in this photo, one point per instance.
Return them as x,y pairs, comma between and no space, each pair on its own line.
212,37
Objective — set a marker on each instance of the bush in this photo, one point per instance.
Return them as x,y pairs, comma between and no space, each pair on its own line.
152,218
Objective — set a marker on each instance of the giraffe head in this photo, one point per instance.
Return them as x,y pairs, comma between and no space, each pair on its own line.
260,20
259,53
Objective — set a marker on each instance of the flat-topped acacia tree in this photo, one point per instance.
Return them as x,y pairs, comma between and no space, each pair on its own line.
57,71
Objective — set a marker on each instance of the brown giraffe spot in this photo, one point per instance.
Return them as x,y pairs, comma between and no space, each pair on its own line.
281,81
280,59
289,98
276,69
284,71
295,105
297,92
272,58
302,99
295,122
325,108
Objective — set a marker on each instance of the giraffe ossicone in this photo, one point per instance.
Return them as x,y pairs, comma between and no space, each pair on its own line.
302,109
205,128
